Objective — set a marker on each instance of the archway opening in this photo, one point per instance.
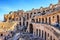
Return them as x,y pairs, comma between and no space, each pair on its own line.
49,20
1,34
31,28
45,35
42,20
46,20
57,18
27,24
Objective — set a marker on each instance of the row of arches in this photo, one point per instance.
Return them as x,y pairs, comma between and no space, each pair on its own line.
43,34
47,20
46,35
20,23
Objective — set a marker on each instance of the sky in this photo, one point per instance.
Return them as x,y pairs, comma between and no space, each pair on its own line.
13,5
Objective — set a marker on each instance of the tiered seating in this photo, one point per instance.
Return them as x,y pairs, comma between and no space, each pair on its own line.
7,26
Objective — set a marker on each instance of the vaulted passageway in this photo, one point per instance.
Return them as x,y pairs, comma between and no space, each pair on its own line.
31,28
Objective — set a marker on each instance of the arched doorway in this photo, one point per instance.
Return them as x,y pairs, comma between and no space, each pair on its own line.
42,20
45,35
31,28
49,20
46,20
57,18
27,24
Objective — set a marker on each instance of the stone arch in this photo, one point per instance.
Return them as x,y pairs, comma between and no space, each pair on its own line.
31,28
26,23
42,20
49,20
45,35
57,18
46,20
1,34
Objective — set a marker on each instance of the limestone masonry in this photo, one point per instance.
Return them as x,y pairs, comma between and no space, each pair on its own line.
43,23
